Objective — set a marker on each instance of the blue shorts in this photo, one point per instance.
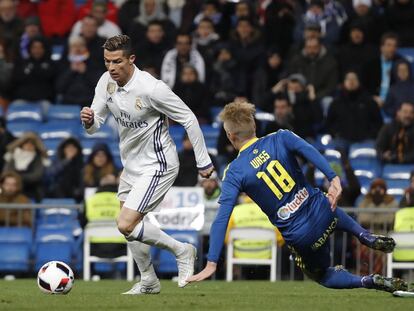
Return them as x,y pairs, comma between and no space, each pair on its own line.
309,244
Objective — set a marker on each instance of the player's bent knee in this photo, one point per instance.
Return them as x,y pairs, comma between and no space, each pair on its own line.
125,227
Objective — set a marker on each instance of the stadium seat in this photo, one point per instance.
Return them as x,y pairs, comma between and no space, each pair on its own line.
211,135
51,146
396,187
32,113
63,113
214,114
20,128
397,171
364,162
53,242
58,130
58,215
164,261
88,144
57,52
177,133
15,249
408,54
323,142
251,233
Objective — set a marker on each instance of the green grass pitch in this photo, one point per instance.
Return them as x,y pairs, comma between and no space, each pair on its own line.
209,295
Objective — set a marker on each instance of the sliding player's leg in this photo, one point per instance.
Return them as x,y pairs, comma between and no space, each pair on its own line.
145,196
315,264
374,241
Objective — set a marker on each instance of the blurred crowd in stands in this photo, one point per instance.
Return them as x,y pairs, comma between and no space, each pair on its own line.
316,67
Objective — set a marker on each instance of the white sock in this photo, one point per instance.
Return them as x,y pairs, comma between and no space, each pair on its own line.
142,257
147,233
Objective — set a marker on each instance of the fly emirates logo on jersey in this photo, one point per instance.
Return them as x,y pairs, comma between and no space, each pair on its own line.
285,211
125,120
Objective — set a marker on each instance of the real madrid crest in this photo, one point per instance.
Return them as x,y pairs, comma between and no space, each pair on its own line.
111,87
138,103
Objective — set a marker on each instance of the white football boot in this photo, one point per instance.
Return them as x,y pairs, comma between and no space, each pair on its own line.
185,263
145,288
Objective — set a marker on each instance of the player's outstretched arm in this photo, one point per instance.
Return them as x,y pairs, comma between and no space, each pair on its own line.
208,271
334,192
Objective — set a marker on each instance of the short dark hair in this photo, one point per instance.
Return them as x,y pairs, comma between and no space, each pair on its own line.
184,34
389,35
119,43
155,22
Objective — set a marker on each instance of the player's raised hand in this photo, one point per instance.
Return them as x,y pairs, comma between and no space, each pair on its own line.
207,172
204,274
334,192
87,116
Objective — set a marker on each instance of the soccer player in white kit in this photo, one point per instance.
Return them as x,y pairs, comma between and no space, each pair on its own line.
140,105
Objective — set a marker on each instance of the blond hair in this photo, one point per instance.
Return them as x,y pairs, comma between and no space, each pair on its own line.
239,119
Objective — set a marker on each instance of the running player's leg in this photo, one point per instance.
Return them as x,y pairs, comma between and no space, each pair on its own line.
377,242
144,197
149,282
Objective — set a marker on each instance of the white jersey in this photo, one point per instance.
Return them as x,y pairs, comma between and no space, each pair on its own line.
140,108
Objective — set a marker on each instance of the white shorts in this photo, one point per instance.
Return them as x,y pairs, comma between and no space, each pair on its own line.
147,191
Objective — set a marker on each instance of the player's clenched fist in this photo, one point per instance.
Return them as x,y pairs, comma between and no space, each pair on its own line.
87,116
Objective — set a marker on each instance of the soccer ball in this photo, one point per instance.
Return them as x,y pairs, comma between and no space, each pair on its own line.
55,277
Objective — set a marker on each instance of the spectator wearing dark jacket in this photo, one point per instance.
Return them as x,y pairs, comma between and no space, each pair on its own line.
78,76
66,171
284,118
223,80
378,74
402,90
363,13
356,52
306,112
33,78
279,24
267,77
318,67
11,26
188,173
151,50
395,142
400,18
248,51
205,39
353,116
194,93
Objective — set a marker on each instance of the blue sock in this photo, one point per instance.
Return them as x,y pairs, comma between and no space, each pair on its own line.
348,224
340,278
